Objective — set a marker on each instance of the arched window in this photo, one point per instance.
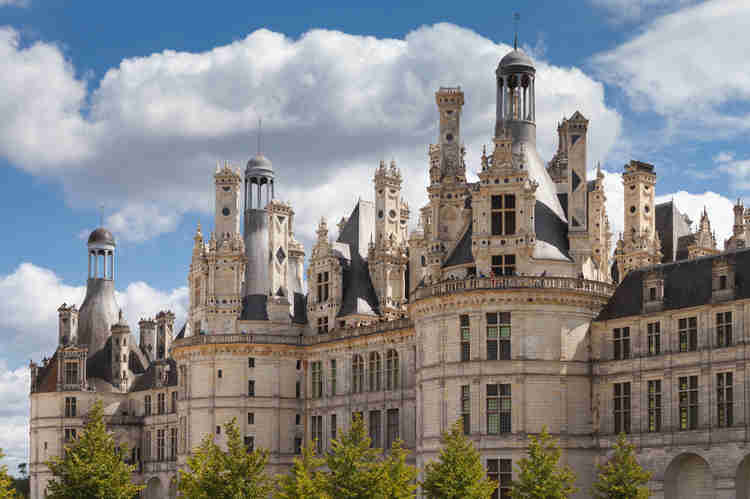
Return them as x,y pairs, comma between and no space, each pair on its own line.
391,370
375,371
358,374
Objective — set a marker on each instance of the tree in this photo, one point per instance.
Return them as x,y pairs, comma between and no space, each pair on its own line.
22,483
622,477
92,466
458,471
400,479
236,473
7,490
539,474
305,480
354,470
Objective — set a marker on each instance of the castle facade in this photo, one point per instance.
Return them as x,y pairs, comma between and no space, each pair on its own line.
507,309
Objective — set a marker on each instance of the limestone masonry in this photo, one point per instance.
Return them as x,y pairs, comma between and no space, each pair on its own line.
507,308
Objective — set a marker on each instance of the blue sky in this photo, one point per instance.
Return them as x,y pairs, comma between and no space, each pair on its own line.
120,111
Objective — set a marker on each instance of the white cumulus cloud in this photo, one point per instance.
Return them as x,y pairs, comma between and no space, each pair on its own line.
332,104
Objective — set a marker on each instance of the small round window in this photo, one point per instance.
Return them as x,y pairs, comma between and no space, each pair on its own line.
380,213
449,137
646,208
392,213
632,209
225,212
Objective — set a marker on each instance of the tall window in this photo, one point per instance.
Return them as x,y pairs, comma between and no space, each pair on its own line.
298,389
323,325
251,362
251,388
316,427
466,408
70,434
374,372
161,403
622,408
70,407
465,338
392,370
174,401
334,428
332,378
250,443
392,433
323,283
503,211
374,428
317,380
654,338
503,264
147,446
724,399
160,445
498,409
297,446
251,418
173,444
501,471
498,336
71,373
724,329
621,341
654,405
688,334
358,374
688,402
147,405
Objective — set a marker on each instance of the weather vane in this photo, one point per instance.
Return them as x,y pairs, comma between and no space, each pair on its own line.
101,215
516,18
260,131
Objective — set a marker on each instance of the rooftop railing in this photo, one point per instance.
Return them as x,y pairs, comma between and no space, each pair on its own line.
452,286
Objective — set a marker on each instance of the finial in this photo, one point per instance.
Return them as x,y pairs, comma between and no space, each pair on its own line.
101,215
516,18
260,133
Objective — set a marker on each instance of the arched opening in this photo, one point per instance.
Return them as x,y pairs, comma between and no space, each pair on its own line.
742,481
688,476
154,489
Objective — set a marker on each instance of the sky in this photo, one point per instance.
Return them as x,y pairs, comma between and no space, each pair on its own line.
117,113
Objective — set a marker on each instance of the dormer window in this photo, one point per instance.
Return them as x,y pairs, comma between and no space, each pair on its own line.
503,212
722,282
71,373
652,293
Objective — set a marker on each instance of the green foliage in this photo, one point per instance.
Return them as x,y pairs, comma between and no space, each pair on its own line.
458,473
7,490
92,466
234,474
539,474
354,471
305,480
622,477
400,479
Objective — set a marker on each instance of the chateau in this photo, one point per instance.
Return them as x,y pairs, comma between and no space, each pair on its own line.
507,308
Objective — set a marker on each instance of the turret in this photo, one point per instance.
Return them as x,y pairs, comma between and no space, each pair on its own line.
259,190
147,328
164,333
120,354
99,310
68,324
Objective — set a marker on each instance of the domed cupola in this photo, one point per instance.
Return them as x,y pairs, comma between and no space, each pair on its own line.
259,187
516,76
99,310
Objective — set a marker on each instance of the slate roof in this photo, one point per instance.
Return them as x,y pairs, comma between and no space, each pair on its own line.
147,380
670,225
358,292
462,252
687,283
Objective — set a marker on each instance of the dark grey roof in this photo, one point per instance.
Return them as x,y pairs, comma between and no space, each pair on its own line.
550,229
687,283
670,224
259,165
462,252
181,334
253,309
358,292
300,309
516,57
147,380
101,236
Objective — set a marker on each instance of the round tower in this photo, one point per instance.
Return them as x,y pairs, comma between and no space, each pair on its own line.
99,311
259,191
120,353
